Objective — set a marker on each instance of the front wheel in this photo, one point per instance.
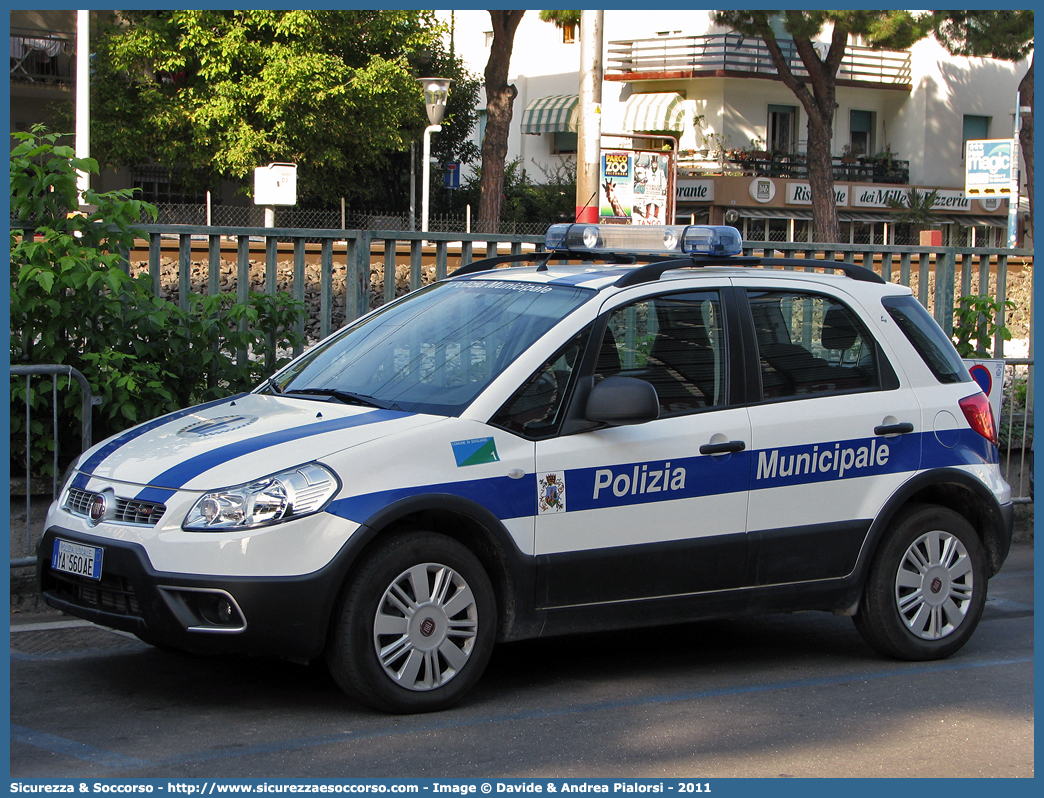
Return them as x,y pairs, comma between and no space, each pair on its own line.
926,588
415,626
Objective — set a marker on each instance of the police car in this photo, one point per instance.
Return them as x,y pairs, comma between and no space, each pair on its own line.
634,426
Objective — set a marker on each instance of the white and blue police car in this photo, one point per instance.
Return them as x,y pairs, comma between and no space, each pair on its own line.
633,426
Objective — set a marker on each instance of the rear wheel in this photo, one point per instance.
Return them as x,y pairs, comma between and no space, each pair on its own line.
415,626
926,588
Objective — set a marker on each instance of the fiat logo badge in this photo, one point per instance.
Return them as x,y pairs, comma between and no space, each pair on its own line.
936,585
427,627
97,509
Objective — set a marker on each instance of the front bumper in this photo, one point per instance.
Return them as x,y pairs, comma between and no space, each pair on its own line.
284,616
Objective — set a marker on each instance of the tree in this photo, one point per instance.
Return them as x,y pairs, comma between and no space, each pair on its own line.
561,19
500,99
72,303
886,29
217,93
1006,35
915,208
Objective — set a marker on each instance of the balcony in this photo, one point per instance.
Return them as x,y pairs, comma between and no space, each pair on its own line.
42,58
734,55
793,166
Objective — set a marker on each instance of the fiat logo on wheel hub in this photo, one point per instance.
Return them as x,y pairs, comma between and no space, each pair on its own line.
427,627
936,585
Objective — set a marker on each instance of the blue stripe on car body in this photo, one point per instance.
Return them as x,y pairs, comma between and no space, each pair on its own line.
692,477
121,440
174,478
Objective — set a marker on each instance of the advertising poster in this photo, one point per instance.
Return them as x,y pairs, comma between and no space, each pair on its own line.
634,188
650,189
615,187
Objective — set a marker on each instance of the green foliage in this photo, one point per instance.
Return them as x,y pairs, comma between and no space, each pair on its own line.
975,325
73,304
561,19
890,29
524,201
915,207
1006,34
218,92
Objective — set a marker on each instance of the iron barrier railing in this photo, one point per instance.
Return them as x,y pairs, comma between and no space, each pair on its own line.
88,401
940,274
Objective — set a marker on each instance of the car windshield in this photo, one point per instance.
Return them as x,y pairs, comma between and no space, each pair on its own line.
434,351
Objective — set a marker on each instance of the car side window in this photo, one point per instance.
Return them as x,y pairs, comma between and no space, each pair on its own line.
810,344
534,409
675,343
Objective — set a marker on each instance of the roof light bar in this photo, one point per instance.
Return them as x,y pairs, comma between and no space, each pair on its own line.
647,239
657,239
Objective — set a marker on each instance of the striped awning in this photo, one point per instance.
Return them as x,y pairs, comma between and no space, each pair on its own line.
978,221
555,114
869,218
653,112
773,213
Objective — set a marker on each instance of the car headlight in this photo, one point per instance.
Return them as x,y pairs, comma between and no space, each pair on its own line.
270,500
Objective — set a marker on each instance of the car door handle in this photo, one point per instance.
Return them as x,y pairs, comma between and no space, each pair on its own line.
723,448
894,429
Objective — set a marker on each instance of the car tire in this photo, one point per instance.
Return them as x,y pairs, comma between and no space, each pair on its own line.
926,588
415,625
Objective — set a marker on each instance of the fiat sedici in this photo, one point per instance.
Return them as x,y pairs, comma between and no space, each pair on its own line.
632,426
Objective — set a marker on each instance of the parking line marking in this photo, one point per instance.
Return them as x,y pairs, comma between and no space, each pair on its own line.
81,751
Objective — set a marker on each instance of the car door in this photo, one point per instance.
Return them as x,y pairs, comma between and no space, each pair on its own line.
657,509
833,437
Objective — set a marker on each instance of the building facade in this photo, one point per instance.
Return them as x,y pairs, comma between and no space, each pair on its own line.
902,121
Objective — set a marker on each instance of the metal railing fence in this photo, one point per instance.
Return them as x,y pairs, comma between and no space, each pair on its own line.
88,401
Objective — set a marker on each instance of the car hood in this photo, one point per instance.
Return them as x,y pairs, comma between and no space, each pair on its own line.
237,440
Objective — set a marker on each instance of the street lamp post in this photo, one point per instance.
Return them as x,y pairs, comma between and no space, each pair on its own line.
436,92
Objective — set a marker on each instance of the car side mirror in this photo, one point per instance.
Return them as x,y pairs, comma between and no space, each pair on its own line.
618,401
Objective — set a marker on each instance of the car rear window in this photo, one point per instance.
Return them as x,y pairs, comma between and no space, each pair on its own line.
931,343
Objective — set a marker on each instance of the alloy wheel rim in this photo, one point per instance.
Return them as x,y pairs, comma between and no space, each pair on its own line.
934,585
425,627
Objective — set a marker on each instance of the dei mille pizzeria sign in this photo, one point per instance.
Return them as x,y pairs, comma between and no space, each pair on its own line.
635,187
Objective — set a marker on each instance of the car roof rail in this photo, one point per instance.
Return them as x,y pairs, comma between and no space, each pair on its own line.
541,258
653,271
656,265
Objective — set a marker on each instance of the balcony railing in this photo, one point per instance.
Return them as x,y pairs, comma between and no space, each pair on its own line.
794,166
41,57
732,54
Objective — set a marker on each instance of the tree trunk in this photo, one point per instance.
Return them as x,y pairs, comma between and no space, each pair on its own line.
1026,135
500,98
826,225
819,105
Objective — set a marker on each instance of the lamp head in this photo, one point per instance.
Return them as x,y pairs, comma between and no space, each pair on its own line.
436,92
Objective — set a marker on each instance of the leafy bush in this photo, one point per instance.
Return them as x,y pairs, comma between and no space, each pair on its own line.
975,325
73,304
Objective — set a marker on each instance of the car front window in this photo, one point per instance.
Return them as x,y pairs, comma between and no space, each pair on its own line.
436,350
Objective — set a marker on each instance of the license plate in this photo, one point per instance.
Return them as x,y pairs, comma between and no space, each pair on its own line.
72,558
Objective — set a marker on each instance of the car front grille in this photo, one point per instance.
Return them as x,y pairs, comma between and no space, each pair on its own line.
128,511
112,593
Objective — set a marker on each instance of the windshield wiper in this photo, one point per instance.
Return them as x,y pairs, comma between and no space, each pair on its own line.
347,397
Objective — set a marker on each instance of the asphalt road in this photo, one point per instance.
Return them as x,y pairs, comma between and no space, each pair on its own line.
793,695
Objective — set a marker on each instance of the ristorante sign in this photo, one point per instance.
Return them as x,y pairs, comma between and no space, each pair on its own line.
801,194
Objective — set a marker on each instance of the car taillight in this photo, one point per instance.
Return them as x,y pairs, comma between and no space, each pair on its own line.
980,415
